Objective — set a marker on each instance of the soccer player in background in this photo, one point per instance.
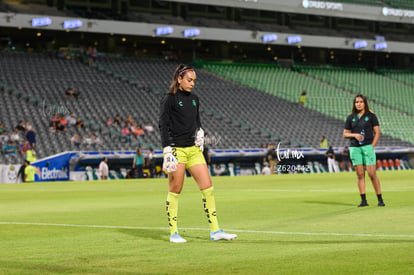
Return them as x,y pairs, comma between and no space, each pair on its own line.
183,140
362,128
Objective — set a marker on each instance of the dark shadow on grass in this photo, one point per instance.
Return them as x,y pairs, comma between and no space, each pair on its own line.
155,234
330,203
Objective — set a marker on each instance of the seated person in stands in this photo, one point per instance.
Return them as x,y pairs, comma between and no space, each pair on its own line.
10,148
71,119
126,134
68,93
76,140
63,121
79,123
87,140
4,138
75,92
96,141
24,147
129,121
137,130
15,137
54,122
148,127
109,121
60,127
20,126
117,120
2,129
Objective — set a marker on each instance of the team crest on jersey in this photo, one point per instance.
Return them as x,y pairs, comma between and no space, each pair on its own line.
180,103
366,118
194,102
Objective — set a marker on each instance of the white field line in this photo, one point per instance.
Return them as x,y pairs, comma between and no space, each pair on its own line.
319,190
201,229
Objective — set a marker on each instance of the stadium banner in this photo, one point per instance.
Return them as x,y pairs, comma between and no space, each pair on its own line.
8,173
54,168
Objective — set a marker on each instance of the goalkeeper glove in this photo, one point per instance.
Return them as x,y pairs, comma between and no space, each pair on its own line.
199,140
170,161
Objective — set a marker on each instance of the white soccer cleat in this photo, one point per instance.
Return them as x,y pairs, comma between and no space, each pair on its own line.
221,235
176,238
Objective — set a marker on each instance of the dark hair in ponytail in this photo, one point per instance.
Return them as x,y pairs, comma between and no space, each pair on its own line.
179,72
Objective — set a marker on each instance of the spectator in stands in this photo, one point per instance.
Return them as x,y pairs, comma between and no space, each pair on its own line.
103,169
71,119
178,123
2,129
302,99
129,121
76,140
20,126
137,163
87,140
323,144
346,165
117,120
109,121
68,93
125,134
148,127
92,54
60,127
31,136
362,128
266,169
96,141
63,121
53,123
15,137
75,92
137,130
4,137
10,148
330,154
24,147
79,123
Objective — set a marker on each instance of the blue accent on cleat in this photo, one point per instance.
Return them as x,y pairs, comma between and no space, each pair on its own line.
176,238
221,235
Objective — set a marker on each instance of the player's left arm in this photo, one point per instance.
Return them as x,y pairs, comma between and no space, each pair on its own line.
377,133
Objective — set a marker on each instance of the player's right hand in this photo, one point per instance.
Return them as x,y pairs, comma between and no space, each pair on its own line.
170,161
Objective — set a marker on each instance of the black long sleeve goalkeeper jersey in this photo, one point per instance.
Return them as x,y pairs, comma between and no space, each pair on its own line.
179,119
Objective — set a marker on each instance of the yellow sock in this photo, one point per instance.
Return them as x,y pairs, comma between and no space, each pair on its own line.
172,209
209,204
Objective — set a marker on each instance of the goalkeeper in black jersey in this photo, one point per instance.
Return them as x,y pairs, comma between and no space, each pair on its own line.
183,140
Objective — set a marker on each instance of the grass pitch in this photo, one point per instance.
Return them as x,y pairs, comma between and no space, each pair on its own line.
286,224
